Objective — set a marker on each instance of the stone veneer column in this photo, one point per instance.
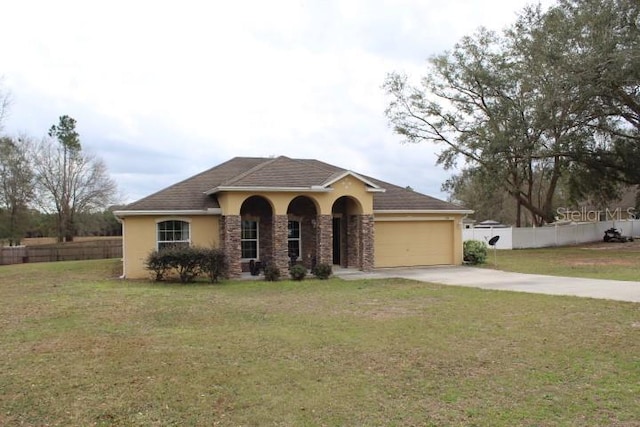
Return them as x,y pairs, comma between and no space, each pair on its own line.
324,239
308,236
281,243
367,242
230,235
354,245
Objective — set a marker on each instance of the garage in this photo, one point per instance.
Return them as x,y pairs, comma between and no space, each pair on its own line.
406,243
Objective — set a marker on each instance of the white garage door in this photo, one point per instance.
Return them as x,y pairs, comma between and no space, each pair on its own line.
413,243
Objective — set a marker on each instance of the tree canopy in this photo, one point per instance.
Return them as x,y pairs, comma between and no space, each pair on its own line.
65,133
55,176
70,181
551,101
16,187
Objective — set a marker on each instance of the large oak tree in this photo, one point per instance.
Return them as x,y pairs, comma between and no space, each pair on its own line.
481,102
601,61
554,99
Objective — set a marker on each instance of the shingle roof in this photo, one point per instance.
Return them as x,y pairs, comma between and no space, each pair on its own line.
279,172
190,193
282,172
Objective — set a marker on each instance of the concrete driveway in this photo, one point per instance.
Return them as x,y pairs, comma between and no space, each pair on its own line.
505,281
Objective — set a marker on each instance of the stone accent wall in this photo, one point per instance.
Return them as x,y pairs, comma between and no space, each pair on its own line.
324,239
308,235
280,243
353,257
344,241
359,242
230,229
366,240
265,239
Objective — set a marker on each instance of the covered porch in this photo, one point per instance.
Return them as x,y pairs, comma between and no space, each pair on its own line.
301,234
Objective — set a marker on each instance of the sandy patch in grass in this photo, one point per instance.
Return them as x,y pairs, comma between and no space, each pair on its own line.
620,262
616,246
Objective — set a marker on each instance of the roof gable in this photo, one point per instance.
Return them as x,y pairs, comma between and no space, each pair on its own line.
339,175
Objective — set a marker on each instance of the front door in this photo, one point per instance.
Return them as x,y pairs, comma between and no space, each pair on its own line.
336,241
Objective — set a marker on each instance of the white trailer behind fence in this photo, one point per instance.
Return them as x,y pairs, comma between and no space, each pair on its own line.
553,235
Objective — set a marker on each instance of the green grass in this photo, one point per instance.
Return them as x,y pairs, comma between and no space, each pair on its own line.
80,347
609,261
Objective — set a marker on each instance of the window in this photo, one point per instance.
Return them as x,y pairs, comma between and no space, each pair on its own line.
294,239
249,239
173,233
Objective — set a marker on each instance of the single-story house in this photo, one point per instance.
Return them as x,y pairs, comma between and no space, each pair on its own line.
282,210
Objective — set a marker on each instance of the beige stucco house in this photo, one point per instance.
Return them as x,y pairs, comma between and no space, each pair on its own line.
279,210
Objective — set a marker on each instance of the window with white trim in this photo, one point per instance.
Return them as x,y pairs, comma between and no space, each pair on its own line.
249,239
294,239
173,233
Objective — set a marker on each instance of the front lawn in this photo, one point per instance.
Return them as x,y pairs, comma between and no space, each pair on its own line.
80,347
616,261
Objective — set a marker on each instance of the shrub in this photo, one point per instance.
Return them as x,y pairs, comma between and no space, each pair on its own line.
322,271
475,251
156,262
187,262
298,272
214,264
271,273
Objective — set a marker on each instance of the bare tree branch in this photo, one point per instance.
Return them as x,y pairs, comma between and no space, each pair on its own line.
70,181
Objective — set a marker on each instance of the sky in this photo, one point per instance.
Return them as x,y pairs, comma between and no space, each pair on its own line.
163,90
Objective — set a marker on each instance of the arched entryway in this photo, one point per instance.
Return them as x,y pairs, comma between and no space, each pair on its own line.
347,232
256,231
301,231
264,233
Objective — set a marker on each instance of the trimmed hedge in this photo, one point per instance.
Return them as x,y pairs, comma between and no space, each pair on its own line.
271,273
298,272
322,271
215,264
475,251
188,262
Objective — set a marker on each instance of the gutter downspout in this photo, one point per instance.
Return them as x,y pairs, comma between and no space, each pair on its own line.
121,221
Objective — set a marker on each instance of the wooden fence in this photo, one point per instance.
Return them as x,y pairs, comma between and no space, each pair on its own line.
94,249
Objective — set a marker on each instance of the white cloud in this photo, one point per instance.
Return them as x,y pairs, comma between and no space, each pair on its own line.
162,90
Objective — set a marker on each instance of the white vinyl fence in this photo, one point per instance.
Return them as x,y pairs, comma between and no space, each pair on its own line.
485,234
554,235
